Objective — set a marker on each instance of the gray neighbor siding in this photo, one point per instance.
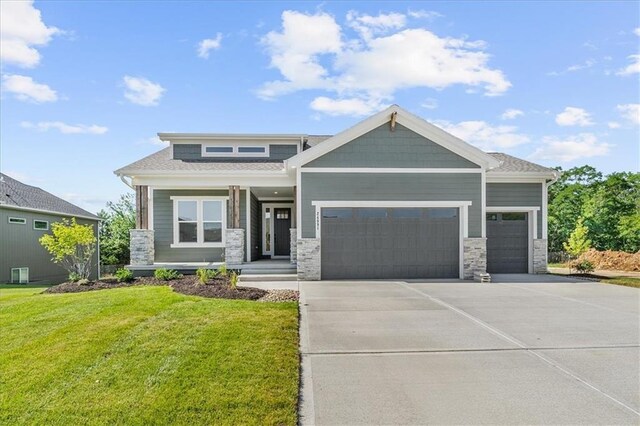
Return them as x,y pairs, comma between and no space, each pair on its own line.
390,187
163,227
517,195
382,147
20,247
193,152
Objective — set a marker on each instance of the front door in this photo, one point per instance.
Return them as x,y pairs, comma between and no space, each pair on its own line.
281,233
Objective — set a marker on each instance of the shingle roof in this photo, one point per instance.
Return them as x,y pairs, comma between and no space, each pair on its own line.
511,164
161,161
18,194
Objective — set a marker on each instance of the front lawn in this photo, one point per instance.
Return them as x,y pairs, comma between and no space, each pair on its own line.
626,281
145,355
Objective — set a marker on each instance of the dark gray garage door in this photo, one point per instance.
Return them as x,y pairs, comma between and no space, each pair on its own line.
507,243
361,243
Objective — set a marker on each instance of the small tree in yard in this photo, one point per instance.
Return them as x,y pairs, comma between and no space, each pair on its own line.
72,246
578,242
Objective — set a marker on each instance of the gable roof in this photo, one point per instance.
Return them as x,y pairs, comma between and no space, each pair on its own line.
408,120
15,194
161,162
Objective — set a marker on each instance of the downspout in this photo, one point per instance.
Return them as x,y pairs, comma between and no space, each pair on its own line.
122,178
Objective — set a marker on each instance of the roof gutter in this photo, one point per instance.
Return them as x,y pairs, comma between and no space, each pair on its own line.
123,179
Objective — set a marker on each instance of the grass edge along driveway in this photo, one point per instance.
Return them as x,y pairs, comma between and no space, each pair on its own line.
145,355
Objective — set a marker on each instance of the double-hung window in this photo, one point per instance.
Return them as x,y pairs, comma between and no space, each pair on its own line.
199,221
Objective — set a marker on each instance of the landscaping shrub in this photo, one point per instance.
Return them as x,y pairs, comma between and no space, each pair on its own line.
74,277
166,274
222,270
233,280
583,266
204,275
124,275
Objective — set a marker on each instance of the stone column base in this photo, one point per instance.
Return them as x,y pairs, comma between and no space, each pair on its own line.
309,259
540,256
234,246
474,257
293,240
141,247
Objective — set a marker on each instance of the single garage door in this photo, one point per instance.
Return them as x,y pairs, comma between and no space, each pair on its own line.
390,243
507,243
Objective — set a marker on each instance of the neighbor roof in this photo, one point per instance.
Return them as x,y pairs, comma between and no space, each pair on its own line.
510,164
161,161
16,194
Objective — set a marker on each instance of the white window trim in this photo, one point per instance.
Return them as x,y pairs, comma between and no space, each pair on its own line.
200,229
40,229
462,206
21,220
20,280
271,233
234,150
532,229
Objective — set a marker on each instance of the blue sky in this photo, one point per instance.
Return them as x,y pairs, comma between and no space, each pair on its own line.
87,85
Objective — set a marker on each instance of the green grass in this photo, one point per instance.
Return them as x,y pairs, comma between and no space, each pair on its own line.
625,281
145,355
557,265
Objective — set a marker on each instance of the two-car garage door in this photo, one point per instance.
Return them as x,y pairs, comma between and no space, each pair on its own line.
390,243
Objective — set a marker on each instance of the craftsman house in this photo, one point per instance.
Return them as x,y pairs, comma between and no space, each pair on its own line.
391,197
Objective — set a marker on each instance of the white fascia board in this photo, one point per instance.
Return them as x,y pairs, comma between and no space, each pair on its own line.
383,204
161,182
387,170
408,120
506,177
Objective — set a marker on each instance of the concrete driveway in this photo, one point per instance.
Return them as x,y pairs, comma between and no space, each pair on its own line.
468,353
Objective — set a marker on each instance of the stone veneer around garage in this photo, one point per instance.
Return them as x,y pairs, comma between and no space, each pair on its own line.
308,254
141,247
234,246
474,256
540,256
293,240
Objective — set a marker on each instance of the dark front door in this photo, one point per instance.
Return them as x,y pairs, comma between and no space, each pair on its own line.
507,243
281,233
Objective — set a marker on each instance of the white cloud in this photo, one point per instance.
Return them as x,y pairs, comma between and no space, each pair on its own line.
511,113
352,106
573,68
65,128
21,28
636,31
25,89
142,91
312,53
572,116
209,44
155,140
484,135
570,148
613,125
424,14
630,112
429,103
632,68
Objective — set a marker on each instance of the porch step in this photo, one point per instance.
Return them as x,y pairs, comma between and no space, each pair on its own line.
257,277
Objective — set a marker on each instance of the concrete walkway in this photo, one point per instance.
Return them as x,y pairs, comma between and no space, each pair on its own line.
466,353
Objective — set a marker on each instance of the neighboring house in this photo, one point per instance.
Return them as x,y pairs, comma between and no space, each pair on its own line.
391,197
26,214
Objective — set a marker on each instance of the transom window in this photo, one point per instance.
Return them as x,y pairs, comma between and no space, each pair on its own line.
17,220
199,221
235,151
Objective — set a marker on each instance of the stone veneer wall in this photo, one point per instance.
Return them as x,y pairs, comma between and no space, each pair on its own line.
475,256
293,240
141,247
234,246
308,254
540,256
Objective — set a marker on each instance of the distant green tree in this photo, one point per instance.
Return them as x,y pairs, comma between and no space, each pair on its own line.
118,219
578,241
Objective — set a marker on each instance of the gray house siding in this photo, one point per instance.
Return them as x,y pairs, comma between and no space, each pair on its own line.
382,147
20,247
163,227
193,152
390,187
255,228
516,195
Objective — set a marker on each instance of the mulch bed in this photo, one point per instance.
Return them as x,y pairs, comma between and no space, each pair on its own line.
189,285
586,277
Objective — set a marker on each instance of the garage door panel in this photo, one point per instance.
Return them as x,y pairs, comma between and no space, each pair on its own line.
390,243
507,243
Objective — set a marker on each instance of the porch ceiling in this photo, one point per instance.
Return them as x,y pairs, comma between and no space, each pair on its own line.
272,191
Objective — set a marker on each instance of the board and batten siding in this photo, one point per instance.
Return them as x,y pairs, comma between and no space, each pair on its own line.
400,148
20,247
163,226
256,222
193,152
516,195
390,187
